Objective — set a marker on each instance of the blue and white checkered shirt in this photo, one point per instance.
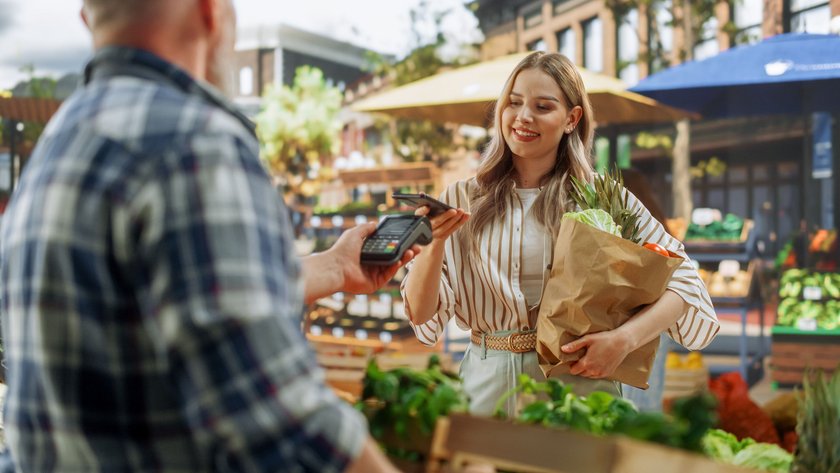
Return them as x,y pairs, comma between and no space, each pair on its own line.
151,298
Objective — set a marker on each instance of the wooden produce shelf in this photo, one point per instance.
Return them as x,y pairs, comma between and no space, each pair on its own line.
463,439
795,351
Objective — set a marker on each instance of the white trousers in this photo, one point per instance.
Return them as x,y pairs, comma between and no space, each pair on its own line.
488,374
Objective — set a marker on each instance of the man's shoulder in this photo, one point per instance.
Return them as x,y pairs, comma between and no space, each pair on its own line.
143,115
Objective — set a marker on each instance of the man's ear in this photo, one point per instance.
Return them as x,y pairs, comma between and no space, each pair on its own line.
209,10
83,14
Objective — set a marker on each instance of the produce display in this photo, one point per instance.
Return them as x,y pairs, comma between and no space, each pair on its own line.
728,229
601,413
725,286
400,400
809,300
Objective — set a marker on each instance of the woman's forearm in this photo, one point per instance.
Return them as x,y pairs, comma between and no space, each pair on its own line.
423,284
654,319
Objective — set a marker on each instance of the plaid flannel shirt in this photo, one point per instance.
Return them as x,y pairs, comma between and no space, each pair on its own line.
151,298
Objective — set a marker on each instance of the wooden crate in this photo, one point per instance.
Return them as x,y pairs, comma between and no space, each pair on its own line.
793,352
463,439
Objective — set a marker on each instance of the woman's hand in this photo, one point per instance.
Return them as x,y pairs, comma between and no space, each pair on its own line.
603,352
446,223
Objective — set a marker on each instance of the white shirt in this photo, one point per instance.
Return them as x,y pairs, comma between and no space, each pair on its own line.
536,250
483,292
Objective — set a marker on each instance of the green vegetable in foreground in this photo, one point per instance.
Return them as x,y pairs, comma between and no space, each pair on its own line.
601,413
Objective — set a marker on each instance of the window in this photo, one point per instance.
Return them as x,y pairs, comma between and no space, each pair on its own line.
748,18
707,46
566,43
628,47
660,35
246,81
533,17
593,45
537,45
809,16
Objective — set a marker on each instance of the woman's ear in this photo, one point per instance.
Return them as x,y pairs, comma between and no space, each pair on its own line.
575,114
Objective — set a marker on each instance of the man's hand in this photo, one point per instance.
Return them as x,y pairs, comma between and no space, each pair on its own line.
358,278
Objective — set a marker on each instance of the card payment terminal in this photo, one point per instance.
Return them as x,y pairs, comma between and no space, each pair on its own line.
394,235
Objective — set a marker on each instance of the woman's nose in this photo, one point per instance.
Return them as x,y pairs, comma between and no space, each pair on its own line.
524,115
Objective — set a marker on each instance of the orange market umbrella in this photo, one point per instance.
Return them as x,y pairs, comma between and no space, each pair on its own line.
466,95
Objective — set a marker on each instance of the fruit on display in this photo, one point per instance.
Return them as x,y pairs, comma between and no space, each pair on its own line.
735,286
812,297
823,241
728,229
691,361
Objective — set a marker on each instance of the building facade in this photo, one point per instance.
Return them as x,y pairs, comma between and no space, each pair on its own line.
766,175
271,55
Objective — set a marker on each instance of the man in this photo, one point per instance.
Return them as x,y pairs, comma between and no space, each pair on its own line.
150,293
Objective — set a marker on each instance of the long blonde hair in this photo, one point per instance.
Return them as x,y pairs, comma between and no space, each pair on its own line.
494,177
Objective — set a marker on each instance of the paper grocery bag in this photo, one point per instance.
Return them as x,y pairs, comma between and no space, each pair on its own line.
597,282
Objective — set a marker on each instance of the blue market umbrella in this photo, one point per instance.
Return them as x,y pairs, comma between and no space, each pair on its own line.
791,73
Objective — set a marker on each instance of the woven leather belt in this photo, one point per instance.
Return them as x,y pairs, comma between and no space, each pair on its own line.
516,342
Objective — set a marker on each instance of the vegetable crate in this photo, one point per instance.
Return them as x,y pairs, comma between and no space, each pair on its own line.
463,440
793,351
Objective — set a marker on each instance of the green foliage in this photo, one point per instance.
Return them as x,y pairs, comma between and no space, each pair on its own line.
601,413
608,194
419,140
402,398
818,425
298,125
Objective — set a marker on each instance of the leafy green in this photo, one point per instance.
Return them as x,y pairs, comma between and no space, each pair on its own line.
765,457
726,448
596,218
601,413
402,397
607,193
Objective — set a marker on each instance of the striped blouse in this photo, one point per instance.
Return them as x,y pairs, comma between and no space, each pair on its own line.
482,292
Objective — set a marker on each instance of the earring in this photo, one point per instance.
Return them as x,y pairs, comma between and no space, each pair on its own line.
569,131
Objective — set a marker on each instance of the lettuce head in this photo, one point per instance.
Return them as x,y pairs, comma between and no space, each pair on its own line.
596,218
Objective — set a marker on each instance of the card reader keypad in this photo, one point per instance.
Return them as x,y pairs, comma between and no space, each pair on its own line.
381,244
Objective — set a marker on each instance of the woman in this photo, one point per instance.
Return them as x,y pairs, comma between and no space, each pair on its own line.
490,257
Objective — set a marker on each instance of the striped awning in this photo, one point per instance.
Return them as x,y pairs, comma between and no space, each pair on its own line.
27,109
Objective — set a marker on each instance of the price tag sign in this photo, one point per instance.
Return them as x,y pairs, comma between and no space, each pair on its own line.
806,324
811,293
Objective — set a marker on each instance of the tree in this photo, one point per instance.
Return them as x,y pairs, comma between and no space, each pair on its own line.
421,140
298,128
688,18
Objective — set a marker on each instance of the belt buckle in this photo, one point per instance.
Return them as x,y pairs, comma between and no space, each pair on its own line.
510,346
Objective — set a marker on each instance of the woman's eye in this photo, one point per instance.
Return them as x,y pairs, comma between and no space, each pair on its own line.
515,103
543,107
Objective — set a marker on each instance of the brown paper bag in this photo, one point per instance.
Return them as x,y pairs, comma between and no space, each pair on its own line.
597,282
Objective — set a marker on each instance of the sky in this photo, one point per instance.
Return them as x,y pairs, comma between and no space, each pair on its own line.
50,35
